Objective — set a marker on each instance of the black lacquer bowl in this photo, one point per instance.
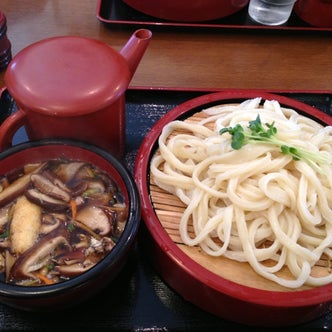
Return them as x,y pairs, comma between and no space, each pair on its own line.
82,287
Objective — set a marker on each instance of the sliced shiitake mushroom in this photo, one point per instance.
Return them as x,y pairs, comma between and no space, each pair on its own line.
17,187
67,171
95,218
47,187
75,269
46,201
35,257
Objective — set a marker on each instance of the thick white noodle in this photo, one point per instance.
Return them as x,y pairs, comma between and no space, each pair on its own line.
254,204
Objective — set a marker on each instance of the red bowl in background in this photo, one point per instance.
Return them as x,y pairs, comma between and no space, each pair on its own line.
315,12
196,284
188,10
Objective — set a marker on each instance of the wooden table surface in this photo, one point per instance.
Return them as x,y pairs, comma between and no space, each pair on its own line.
195,60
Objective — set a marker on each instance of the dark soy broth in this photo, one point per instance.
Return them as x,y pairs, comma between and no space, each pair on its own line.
57,220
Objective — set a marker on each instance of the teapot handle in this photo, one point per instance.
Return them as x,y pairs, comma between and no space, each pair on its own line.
9,127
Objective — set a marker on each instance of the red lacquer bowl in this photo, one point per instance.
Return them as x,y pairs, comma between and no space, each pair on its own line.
196,284
188,10
86,285
315,12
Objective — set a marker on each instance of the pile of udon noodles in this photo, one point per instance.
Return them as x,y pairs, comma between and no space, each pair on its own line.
254,204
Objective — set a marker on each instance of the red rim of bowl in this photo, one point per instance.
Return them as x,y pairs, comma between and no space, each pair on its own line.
247,294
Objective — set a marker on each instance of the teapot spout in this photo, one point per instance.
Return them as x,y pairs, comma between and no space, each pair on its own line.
134,49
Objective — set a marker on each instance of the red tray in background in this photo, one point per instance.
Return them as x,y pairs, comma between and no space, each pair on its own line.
117,12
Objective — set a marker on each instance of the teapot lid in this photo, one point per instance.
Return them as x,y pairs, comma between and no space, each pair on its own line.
67,76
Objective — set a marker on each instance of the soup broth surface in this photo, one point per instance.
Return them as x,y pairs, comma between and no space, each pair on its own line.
58,219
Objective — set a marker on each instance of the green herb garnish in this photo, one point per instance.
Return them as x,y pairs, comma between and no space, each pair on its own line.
71,227
256,132
5,234
50,266
90,192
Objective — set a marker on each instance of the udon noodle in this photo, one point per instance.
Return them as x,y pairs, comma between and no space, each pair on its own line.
255,204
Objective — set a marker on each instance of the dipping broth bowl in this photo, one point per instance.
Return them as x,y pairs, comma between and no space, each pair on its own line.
85,285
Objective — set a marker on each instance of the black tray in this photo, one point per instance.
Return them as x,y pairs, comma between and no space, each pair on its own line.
117,12
138,299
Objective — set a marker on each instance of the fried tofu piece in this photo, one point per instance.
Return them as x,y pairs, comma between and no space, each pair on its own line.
24,227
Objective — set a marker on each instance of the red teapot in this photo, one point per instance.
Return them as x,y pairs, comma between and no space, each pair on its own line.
72,87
